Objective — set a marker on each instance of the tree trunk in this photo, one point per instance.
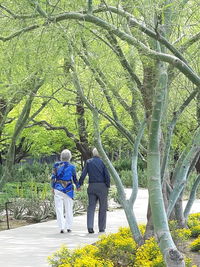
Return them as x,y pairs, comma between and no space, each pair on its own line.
170,253
191,197
179,212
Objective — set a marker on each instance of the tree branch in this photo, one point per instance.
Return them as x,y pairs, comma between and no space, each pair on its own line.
18,33
174,60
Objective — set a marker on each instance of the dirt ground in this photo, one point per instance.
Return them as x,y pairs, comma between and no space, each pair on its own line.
12,224
184,248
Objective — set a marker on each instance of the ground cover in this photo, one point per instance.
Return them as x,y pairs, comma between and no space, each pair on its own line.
120,249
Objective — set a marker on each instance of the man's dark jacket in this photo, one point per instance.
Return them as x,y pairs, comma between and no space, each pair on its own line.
97,172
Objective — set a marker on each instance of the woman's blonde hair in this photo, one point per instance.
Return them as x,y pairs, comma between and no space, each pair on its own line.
65,155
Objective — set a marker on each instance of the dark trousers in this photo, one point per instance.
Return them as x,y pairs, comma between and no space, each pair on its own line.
97,192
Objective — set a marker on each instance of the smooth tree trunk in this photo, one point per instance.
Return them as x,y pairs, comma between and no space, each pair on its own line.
192,197
182,169
172,256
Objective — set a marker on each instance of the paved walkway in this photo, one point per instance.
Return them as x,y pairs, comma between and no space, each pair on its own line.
29,246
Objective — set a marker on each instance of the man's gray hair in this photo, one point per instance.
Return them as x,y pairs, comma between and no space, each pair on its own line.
65,155
95,152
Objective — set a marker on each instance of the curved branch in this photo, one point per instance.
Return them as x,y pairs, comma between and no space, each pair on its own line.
155,35
171,129
192,197
16,34
195,38
16,16
178,63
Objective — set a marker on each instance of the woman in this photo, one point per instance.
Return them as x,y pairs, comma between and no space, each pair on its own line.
63,177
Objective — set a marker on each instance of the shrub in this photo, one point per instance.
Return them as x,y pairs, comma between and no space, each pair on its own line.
193,220
81,257
173,225
181,234
149,255
33,210
142,178
60,257
195,245
113,194
126,177
88,261
122,164
37,171
87,256
195,230
81,200
119,248
111,250
31,189
188,262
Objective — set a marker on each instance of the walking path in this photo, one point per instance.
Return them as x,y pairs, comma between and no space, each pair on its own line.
29,246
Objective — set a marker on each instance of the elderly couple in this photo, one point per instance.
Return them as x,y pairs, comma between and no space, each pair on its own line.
63,178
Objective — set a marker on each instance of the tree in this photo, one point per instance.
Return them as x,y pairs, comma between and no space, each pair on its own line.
160,51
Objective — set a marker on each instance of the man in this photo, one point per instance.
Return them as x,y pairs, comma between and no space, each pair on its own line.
99,182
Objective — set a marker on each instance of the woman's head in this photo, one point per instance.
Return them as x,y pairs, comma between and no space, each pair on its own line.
65,155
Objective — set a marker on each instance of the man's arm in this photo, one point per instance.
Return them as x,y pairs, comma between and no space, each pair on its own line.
107,176
84,173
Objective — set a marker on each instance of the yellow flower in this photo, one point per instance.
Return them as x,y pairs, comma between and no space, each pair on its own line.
149,255
195,245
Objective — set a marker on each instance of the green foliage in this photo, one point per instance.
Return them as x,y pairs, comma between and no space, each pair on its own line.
126,177
184,234
81,200
195,230
195,245
193,220
118,248
112,194
181,234
4,197
188,262
32,210
85,256
37,171
30,189
122,164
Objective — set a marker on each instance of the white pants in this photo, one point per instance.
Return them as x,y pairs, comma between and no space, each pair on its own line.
64,210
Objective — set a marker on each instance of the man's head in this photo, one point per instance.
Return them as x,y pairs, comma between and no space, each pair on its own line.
65,155
95,152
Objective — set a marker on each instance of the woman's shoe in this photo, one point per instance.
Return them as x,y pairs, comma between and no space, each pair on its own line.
62,231
69,230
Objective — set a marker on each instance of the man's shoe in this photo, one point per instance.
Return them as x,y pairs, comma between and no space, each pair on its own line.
90,231
69,230
101,231
62,231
